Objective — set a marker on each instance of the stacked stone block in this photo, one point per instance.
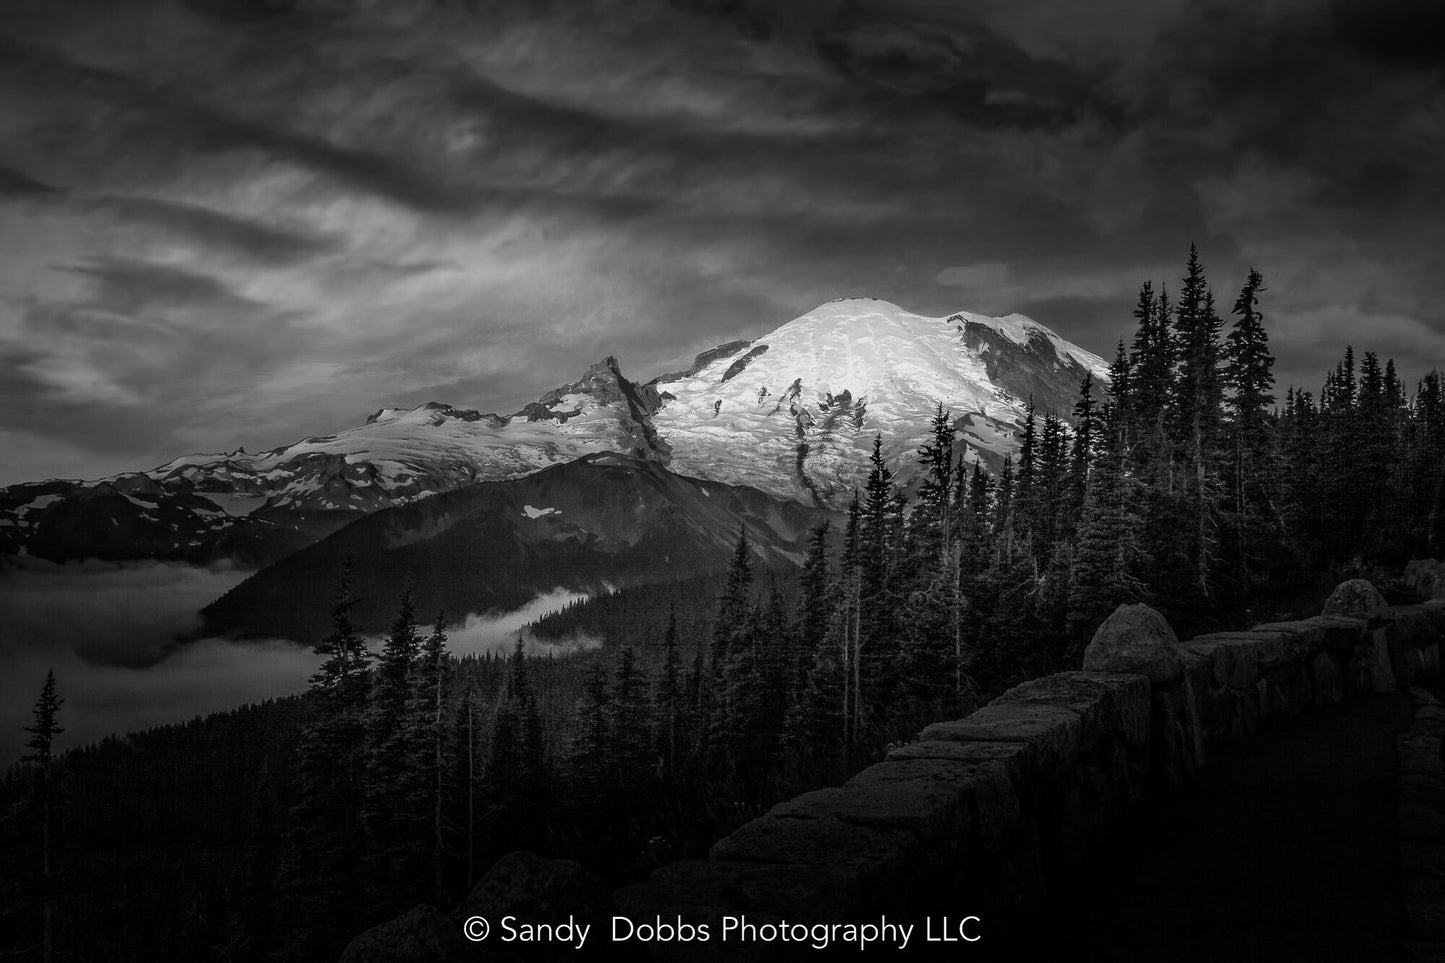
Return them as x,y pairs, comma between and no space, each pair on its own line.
987,810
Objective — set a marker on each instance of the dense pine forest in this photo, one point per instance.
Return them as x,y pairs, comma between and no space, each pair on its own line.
277,832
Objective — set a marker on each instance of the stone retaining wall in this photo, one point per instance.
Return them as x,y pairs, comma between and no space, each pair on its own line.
985,812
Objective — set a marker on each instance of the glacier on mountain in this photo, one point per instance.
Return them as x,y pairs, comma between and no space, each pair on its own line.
793,413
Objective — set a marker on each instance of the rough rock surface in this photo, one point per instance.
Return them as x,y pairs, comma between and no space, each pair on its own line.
420,935
538,890
1137,639
1356,598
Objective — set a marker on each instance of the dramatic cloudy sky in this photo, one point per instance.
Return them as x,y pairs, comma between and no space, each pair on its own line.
243,221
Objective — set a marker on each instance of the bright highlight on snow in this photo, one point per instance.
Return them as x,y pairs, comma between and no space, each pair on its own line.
793,414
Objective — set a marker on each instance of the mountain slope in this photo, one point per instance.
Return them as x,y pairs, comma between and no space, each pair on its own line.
793,413
603,520
796,411
256,508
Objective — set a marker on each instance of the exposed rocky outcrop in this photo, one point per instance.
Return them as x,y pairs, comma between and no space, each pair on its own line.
538,890
1356,599
1136,638
420,935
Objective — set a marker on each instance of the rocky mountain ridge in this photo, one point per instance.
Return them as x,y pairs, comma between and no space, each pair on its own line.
792,413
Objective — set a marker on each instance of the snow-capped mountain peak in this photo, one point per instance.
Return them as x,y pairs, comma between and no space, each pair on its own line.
795,412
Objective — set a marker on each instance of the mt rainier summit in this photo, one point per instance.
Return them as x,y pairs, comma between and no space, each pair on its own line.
793,414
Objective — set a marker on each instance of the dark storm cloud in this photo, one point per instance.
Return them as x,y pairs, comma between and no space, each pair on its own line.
223,214
18,183
1399,34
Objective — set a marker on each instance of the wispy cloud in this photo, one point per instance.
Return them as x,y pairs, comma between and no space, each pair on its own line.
227,224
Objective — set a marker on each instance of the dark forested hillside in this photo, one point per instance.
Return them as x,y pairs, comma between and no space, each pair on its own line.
600,522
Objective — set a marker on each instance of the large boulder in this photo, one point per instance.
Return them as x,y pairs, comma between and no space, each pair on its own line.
539,890
1136,639
1356,598
420,935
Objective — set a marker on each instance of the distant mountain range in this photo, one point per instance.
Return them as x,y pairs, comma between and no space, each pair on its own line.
792,414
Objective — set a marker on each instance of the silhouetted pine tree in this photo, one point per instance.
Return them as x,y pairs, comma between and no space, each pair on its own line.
817,728
46,796
742,725
588,765
850,621
1081,455
1198,407
433,737
879,535
1107,555
630,753
517,772
322,877
1025,509
735,602
1053,492
395,806
930,653
1252,473
935,491
668,703
817,599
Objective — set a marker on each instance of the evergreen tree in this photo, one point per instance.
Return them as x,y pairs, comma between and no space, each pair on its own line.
1199,408
850,622
1053,493
631,725
1252,470
436,745
1003,512
697,711
1150,373
734,628
816,602
41,745
668,701
1107,557
936,462
466,776
1025,511
590,768
817,727
323,872
395,806
517,770
736,599
743,735
931,652
879,535
1081,456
